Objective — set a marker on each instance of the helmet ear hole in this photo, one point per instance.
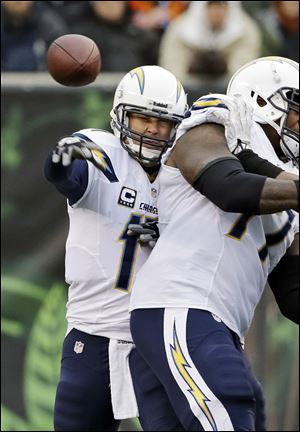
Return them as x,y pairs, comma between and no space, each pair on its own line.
261,101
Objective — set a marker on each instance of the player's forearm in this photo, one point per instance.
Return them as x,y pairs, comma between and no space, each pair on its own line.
56,173
71,180
254,164
224,182
278,195
218,175
284,175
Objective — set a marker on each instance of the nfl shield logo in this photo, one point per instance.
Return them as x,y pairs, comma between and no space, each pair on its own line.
78,347
153,192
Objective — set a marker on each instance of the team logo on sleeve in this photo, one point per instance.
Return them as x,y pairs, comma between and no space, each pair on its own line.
101,158
127,197
208,102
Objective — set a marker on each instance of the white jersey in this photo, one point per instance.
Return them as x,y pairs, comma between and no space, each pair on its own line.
208,259
101,260
261,145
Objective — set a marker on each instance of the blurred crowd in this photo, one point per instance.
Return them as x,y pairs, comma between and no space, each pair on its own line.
201,38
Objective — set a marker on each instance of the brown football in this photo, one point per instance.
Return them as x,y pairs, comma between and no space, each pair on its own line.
74,60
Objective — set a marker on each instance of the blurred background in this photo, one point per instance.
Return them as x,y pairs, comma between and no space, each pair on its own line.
203,43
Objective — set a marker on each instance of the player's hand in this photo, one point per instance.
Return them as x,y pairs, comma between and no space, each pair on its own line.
72,147
239,124
236,116
147,233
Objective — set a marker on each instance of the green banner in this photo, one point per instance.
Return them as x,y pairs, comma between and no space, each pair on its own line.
34,231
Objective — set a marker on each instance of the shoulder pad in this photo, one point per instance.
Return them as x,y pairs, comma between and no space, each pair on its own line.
99,136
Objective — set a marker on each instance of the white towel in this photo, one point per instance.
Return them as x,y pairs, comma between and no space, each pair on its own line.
121,386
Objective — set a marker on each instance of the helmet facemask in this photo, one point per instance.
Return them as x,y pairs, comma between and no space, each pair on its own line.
134,142
289,139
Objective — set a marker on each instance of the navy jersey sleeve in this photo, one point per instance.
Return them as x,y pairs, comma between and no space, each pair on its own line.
71,181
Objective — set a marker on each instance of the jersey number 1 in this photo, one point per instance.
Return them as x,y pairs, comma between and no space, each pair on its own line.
129,254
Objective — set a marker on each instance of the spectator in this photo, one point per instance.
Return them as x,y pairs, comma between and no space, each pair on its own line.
122,45
70,11
280,25
254,8
26,32
155,15
212,38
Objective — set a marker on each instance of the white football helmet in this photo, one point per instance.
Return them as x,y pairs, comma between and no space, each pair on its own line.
151,91
276,81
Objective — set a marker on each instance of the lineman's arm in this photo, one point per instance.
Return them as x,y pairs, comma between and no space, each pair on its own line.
252,163
284,175
204,160
284,282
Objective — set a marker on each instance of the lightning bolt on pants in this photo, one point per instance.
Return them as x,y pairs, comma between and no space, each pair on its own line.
194,365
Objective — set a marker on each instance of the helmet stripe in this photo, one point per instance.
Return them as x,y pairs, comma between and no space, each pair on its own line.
179,89
139,73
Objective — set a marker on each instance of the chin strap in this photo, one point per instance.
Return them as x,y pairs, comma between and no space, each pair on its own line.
285,147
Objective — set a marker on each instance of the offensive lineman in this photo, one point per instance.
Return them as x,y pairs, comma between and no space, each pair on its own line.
194,299
119,187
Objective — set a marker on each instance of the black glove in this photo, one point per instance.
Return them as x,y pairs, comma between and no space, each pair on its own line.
72,147
147,232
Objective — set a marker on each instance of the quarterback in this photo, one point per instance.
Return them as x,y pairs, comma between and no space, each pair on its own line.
223,232
109,181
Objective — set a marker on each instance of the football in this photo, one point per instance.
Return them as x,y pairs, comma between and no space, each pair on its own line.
74,60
